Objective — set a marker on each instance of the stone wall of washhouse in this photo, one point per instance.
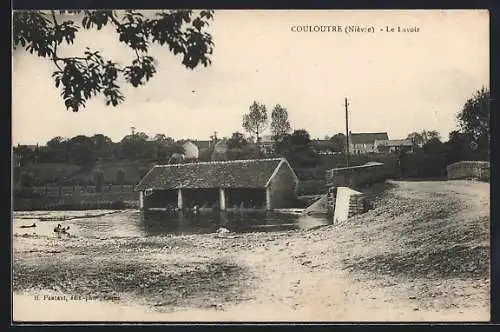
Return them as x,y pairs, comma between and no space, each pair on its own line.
283,188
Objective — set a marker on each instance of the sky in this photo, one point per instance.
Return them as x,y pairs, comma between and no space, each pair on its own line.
396,82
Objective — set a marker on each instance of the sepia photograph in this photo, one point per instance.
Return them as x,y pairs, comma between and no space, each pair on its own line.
201,165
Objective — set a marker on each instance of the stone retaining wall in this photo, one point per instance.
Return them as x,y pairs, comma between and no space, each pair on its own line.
469,169
356,176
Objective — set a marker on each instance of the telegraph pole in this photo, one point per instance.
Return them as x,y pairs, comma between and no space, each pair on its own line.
346,133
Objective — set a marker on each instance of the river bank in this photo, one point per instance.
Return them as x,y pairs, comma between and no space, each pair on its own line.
420,254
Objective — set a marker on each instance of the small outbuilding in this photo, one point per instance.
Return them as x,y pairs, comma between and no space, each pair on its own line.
260,184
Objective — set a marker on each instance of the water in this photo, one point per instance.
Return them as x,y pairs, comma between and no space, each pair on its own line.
134,223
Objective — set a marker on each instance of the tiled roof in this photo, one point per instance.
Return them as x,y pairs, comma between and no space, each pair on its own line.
365,138
222,174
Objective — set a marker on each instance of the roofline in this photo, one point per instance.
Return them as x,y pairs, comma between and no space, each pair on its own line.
218,162
145,175
283,161
376,132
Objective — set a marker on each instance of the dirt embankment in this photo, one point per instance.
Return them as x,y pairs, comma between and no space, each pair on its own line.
420,254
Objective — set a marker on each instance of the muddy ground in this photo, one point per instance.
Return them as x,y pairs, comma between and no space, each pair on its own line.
422,254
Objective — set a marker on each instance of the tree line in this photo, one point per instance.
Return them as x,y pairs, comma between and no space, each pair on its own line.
469,142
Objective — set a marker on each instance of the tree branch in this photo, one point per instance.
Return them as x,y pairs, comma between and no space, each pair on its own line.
54,51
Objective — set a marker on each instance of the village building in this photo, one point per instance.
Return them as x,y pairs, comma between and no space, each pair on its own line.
191,151
220,151
267,144
324,147
203,144
395,145
260,184
361,143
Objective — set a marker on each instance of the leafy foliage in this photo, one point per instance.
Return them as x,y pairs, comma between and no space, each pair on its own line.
280,125
338,142
237,141
256,121
80,78
297,149
474,120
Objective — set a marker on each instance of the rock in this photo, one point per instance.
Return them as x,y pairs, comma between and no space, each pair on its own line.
222,230
412,297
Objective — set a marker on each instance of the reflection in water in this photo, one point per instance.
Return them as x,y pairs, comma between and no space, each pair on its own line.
161,223
135,223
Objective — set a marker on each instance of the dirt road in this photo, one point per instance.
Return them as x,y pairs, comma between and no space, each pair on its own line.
421,254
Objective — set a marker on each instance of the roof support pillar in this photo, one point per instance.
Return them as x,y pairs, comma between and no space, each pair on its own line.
268,199
141,200
179,199
222,199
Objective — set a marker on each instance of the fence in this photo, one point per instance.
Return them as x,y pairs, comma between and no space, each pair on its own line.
75,198
62,191
469,169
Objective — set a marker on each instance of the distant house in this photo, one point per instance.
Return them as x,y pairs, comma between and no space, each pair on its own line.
324,146
394,145
220,150
261,183
267,144
191,151
203,145
360,143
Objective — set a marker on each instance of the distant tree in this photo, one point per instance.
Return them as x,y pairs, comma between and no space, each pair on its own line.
82,77
300,137
236,141
416,139
297,149
56,142
162,146
256,121
338,142
279,122
433,145
135,146
81,151
164,139
459,147
98,179
474,120
102,145
431,134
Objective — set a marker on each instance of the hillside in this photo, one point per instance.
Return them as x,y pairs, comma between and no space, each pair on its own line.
68,174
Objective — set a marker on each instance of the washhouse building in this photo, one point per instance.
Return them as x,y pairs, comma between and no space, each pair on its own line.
258,184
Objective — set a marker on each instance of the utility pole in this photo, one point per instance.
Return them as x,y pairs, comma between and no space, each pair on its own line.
346,133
